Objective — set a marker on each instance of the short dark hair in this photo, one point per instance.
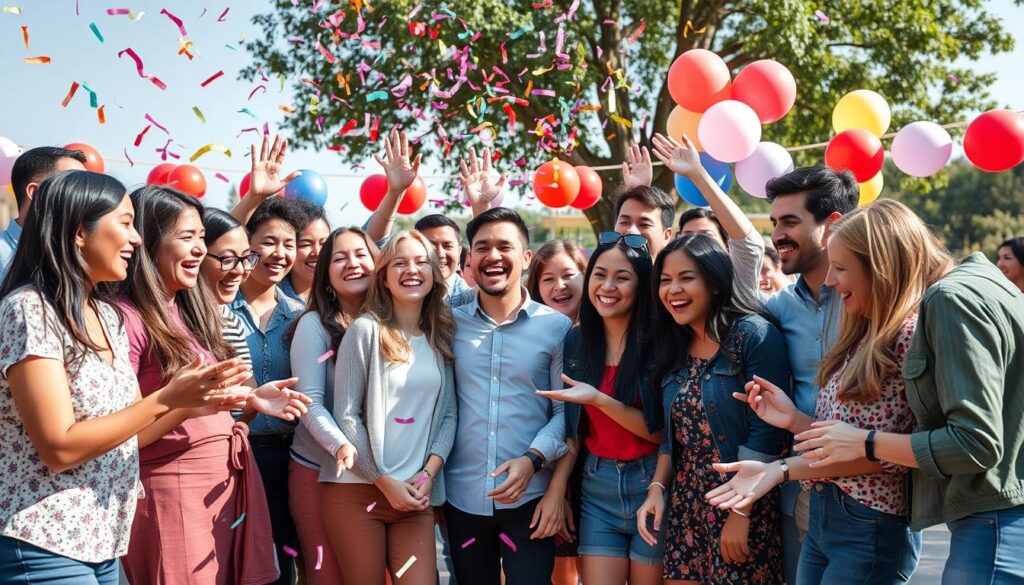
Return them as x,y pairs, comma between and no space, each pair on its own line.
701,212
436,220
1016,246
826,191
497,215
311,212
287,210
652,197
217,222
772,254
36,165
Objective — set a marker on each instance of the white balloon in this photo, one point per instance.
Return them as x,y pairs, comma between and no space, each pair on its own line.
729,131
9,151
921,149
769,160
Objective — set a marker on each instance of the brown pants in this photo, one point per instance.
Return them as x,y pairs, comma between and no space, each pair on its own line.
370,544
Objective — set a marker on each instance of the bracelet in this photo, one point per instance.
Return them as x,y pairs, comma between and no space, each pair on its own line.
657,483
785,470
739,513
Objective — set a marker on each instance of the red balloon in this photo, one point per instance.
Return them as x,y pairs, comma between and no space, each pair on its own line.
590,188
414,198
372,191
556,183
698,79
767,87
188,179
243,187
161,174
994,141
93,160
855,150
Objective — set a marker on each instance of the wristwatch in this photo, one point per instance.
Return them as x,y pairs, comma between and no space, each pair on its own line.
537,460
869,446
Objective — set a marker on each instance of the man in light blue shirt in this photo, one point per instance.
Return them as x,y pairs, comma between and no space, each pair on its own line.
30,169
506,348
805,203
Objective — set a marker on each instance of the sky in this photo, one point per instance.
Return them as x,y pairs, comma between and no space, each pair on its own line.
31,112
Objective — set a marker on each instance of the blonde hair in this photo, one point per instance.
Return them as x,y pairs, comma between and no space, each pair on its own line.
436,319
904,259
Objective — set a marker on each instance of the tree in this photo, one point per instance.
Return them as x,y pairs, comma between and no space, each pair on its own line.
597,69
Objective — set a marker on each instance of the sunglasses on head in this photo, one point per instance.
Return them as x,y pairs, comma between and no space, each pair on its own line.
634,241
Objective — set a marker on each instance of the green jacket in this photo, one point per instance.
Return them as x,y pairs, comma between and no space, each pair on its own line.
964,376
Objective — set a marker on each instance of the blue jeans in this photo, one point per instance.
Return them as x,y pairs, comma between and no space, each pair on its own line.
612,492
22,563
986,548
850,543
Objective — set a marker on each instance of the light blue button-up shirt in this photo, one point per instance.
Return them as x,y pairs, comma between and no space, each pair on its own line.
271,357
810,328
498,368
8,244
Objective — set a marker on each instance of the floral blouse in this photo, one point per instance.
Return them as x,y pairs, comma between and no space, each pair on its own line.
885,491
84,513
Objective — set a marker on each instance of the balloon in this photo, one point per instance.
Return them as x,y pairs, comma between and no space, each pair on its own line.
921,149
9,151
855,150
870,189
413,198
767,87
994,141
243,187
556,183
768,161
719,172
699,79
729,131
309,185
682,121
188,179
863,109
93,160
161,174
372,191
590,188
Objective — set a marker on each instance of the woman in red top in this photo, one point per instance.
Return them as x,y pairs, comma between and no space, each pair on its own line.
612,417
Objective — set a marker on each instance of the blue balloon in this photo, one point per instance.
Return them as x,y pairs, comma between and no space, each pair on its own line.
720,173
309,186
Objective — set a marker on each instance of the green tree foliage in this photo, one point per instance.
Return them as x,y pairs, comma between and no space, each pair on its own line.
452,67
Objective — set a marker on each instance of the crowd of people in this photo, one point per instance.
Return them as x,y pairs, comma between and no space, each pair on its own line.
198,396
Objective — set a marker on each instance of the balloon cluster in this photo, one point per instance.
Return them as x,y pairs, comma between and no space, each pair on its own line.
185,178
723,117
557,184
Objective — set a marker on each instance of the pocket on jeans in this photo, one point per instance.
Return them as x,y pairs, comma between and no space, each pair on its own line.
858,512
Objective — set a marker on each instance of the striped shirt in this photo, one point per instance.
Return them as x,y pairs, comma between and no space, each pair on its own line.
234,333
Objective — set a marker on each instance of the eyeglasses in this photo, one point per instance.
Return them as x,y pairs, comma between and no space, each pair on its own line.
228,263
635,241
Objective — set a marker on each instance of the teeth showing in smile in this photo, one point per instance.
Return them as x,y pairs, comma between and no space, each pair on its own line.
354,276
494,270
561,298
607,300
412,282
679,304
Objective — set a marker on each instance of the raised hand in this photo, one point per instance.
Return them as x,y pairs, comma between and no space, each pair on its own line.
275,399
265,180
399,166
637,171
476,178
771,405
680,158
578,392
750,482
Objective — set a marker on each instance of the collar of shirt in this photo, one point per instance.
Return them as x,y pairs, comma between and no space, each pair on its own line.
286,309
527,309
14,230
803,290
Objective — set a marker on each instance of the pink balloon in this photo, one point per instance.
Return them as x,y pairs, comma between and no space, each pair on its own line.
9,151
729,131
767,87
768,161
921,149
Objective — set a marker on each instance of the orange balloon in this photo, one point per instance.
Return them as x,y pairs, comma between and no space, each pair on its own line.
590,188
414,198
188,179
556,183
682,121
160,175
93,160
699,79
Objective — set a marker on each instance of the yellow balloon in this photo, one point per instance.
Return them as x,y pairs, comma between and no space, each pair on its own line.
870,189
681,121
862,108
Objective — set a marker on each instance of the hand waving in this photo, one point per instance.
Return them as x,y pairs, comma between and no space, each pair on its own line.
476,179
265,180
399,167
637,170
680,158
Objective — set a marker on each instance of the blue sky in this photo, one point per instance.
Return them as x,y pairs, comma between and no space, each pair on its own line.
32,114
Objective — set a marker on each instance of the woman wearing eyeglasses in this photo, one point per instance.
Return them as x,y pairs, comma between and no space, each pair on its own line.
726,341
228,262
612,416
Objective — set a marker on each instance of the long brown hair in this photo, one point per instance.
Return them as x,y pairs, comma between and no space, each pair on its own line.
157,209
543,255
904,259
436,319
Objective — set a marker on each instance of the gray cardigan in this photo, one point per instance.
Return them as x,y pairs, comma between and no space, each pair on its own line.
360,404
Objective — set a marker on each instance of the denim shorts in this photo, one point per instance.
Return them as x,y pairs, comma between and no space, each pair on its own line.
612,492
847,538
24,563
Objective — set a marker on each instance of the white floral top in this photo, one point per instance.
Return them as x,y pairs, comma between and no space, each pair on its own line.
84,513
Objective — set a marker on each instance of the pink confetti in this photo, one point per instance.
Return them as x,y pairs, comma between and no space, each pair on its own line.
371,507
405,421
138,64
327,54
175,20
504,538
547,92
138,138
257,88
211,78
469,542
118,11
222,177
289,551
821,16
327,355
223,14
319,556
157,124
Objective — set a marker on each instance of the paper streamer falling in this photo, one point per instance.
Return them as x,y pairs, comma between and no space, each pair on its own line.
12,9
207,148
96,31
211,78
157,124
237,522
290,551
222,177
101,115
175,20
71,94
24,35
371,507
319,547
221,19
37,60
405,567
138,65
469,542
504,538
199,114
327,355
405,421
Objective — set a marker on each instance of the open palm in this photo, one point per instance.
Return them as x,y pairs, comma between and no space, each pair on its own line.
680,158
275,399
752,480
399,166
265,179
637,171
476,178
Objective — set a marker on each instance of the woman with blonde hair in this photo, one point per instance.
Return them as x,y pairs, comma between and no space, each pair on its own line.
394,400
882,259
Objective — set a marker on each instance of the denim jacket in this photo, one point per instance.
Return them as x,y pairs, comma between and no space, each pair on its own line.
574,366
737,431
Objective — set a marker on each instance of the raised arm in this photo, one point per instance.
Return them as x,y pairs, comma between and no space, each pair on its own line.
477,182
401,170
264,180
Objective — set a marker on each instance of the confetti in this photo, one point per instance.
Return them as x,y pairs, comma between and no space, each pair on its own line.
131,163
469,542
175,20
327,54
71,94
207,148
504,538
138,64
12,9
24,35
37,60
157,124
247,113
326,356
93,101
405,421
211,78
371,507
222,177
319,556
287,109
118,11
690,28
377,95
223,15
96,31
237,522
822,17
405,567
257,88
138,138
290,551
101,115
199,114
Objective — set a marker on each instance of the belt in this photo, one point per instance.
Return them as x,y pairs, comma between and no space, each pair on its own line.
277,440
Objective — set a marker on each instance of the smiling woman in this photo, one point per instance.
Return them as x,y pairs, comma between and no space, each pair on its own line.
555,277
